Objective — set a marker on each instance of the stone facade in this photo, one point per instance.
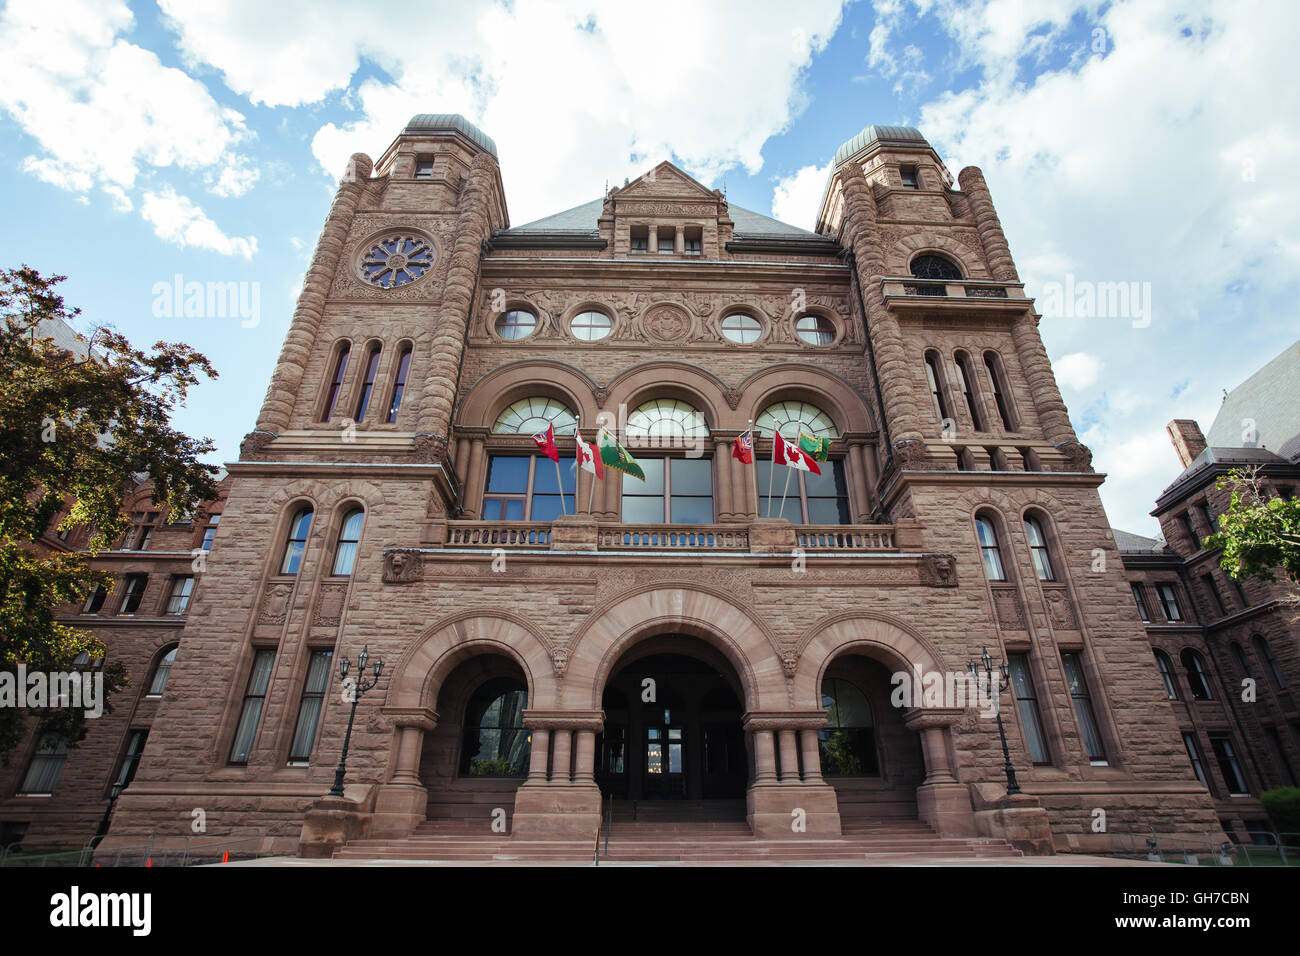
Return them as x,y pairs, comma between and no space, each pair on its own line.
747,622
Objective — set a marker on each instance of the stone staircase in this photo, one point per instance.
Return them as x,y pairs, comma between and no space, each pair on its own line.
680,832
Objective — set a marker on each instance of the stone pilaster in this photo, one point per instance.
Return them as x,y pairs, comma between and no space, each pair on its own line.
987,224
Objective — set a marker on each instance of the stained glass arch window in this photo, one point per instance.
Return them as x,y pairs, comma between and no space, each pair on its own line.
791,417
666,418
932,266
396,260
528,416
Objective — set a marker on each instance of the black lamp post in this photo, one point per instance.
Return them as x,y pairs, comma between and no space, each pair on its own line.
361,686
1003,682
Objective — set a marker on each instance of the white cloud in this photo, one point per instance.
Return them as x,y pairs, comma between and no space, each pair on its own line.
178,220
121,201
63,175
573,94
797,198
1077,370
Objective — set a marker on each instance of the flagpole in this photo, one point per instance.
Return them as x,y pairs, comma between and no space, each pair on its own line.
560,484
591,494
771,470
788,470
753,444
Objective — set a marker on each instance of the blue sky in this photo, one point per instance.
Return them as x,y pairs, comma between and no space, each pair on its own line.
1146,143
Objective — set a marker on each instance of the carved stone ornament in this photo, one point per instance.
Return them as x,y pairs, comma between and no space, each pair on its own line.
254,443
733,396
329,605
428,447
910,455
1011,616
790,663
601,395
667,323
275,603
403,566
1078,457
939,570
560,660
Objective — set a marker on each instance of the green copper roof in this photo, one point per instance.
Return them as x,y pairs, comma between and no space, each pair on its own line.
885,135
450,122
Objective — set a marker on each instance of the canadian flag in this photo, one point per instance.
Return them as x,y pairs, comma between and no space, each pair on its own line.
783,453
588,460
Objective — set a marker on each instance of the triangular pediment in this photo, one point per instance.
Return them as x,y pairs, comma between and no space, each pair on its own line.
666,181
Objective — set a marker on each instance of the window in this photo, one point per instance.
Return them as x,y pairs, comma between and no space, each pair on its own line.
934,375
1266,653
1215,596
675,491
1167,674
667,240
345,555
210,531
424,169
524,488
741,328
1189,529
665,418
396,260
368,383
179,599
1211,522
1226,755
993,363
909,177
138,538
1169,602
1194,755
1239,658
131,759
966,379
591,326
159,682
640,239
496,742
1197,676
932,266
848,741
1139,597
1022,683
1038,549
516,324
96,600
135,584
46,766
694,239
792,417
1241,592
815,330
530,416
255,696
336,381
812,499
990,552
1083,712
399,383
297,542
313,698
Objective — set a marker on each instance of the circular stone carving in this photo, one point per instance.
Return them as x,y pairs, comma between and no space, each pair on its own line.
396,260
667,323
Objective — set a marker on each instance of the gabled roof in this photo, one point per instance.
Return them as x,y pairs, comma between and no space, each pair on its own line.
1128,542
1270,399
1210,461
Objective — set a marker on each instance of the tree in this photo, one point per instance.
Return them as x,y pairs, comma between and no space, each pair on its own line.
77,430
1258,534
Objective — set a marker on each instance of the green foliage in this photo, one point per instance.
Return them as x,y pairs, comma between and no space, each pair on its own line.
1282,805
79,430
839,748
490,767
1258,534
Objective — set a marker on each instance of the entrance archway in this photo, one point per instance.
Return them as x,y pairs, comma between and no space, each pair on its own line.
672,724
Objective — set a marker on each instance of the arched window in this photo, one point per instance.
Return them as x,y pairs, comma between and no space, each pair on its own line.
792,417
1001,398
529,416
496,742
666,418
345,555
1198,678
812,499
160,672
399,382
297,541
591,326
368,383
990,551
516,324
934,376
933,266
336,381
1167,674
742,328
966,378
815,329
848,741
1266,653
1038,549
1239,658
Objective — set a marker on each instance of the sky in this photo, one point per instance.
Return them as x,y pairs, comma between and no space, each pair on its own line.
149,145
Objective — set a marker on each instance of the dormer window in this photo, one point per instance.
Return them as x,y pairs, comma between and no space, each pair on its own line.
640,236
424,169
910,178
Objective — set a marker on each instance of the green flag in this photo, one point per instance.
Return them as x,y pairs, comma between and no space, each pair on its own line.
615,456
818,448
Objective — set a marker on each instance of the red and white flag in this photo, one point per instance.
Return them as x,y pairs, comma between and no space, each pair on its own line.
588,460
742,449
783,453
546,442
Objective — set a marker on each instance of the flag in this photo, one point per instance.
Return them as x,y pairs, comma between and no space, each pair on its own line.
783,453
546,442
588,460
818,448
615,456
742,449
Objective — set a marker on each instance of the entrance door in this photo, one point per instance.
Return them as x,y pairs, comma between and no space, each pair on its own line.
665,760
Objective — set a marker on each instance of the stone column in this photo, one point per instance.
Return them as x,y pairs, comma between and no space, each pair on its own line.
679,241
1037,369
612,492
863,487
401,804
722,475
462,460
585,761
792,807
561,755
540,756
812,756
941,801
286,380
567,805
475,473
764,757
652,240
987,224
789,756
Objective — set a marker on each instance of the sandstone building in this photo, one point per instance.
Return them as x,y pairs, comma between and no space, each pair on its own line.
697,639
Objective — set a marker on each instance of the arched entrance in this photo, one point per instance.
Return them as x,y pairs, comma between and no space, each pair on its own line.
673,708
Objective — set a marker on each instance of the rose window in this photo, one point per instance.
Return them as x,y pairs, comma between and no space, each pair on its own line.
396,261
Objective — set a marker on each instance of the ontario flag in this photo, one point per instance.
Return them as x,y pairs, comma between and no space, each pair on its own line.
588,460
742,449
546,442
616,456
783,453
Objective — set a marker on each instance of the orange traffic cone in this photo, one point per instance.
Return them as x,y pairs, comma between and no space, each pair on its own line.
225,857
149,861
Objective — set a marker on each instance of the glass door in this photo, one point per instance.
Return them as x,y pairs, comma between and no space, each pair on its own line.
665,766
